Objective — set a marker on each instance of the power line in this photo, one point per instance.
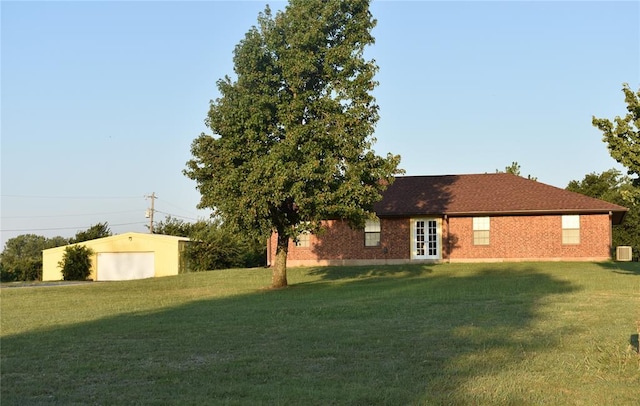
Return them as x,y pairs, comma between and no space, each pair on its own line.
69,215
66,228
70,197
175,215
179,208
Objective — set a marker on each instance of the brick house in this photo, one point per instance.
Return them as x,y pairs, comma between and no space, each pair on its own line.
472,218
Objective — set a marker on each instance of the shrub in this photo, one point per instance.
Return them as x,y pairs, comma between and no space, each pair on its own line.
76,263
213,245
6,275
32,270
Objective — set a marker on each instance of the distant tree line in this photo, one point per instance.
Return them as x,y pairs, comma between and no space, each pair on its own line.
212,246
21,258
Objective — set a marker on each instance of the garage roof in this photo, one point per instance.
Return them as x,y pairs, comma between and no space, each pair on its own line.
129,235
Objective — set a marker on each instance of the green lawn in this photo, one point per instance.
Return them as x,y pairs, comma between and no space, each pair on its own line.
528,333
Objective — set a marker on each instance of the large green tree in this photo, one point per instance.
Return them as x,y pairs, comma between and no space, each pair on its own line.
623,134
616,188
293,133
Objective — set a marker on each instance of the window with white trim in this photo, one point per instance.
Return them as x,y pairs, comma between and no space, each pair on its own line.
571,229
481,228
372,233
303,240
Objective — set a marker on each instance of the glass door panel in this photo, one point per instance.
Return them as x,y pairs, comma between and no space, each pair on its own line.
425,239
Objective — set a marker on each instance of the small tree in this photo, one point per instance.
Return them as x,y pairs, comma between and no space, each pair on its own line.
514,169
76,263
173,226
96,231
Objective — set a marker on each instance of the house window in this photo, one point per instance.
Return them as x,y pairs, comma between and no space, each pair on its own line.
481,227
303,240
571,229
372,233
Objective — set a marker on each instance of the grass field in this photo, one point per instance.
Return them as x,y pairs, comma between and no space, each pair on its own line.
528,333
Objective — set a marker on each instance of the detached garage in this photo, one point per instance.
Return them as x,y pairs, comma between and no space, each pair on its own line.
124,257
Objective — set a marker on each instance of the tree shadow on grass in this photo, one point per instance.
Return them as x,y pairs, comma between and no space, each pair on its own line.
625,268
410,337
355,272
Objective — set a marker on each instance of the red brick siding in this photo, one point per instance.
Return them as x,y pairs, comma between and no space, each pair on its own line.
338,241
530,237
511,238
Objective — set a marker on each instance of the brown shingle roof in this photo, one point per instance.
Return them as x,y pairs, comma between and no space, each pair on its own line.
485,194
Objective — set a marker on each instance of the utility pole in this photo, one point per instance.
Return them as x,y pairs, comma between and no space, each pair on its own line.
150,211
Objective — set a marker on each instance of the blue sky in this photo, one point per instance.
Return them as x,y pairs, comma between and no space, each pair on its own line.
100,100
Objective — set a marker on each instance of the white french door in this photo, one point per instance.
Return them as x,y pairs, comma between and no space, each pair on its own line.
426,238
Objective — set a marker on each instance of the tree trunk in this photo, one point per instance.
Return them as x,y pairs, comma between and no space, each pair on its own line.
279,272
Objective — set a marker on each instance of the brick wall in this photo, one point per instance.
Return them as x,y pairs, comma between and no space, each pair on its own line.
338,242
530,237
511,238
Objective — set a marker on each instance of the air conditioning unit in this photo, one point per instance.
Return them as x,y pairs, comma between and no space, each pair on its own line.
623,253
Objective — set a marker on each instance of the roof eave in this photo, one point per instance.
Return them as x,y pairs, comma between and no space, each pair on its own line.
617,216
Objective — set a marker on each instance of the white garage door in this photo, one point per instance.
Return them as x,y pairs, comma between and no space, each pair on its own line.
122,266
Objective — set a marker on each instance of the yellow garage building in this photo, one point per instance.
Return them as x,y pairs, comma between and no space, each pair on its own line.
124,257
